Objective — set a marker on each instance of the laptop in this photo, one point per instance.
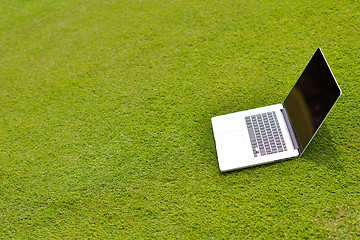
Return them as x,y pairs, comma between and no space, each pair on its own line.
281,131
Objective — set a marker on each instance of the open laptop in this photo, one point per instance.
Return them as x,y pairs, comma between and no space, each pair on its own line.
280,131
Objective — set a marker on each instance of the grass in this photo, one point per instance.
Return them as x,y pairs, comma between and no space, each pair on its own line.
105,119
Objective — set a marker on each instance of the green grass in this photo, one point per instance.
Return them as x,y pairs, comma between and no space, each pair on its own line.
105,119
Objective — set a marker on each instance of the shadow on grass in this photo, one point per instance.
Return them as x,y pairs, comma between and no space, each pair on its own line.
323,150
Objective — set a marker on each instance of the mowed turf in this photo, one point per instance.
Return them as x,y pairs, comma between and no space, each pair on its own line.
105,111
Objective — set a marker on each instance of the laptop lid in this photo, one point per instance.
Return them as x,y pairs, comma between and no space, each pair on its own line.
311,99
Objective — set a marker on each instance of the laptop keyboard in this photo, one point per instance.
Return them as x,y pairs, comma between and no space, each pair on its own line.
265,134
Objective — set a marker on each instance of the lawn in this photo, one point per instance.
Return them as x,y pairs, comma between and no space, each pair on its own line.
105,112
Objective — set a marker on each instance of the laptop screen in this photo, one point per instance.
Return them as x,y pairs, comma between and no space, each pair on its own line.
311,99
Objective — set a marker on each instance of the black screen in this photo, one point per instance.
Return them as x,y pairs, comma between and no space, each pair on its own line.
312,98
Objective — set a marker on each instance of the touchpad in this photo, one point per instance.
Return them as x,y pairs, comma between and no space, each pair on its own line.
232,144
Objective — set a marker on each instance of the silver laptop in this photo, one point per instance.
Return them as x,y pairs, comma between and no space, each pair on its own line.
280,131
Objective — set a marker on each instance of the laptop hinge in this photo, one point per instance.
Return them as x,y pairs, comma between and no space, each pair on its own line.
293,137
